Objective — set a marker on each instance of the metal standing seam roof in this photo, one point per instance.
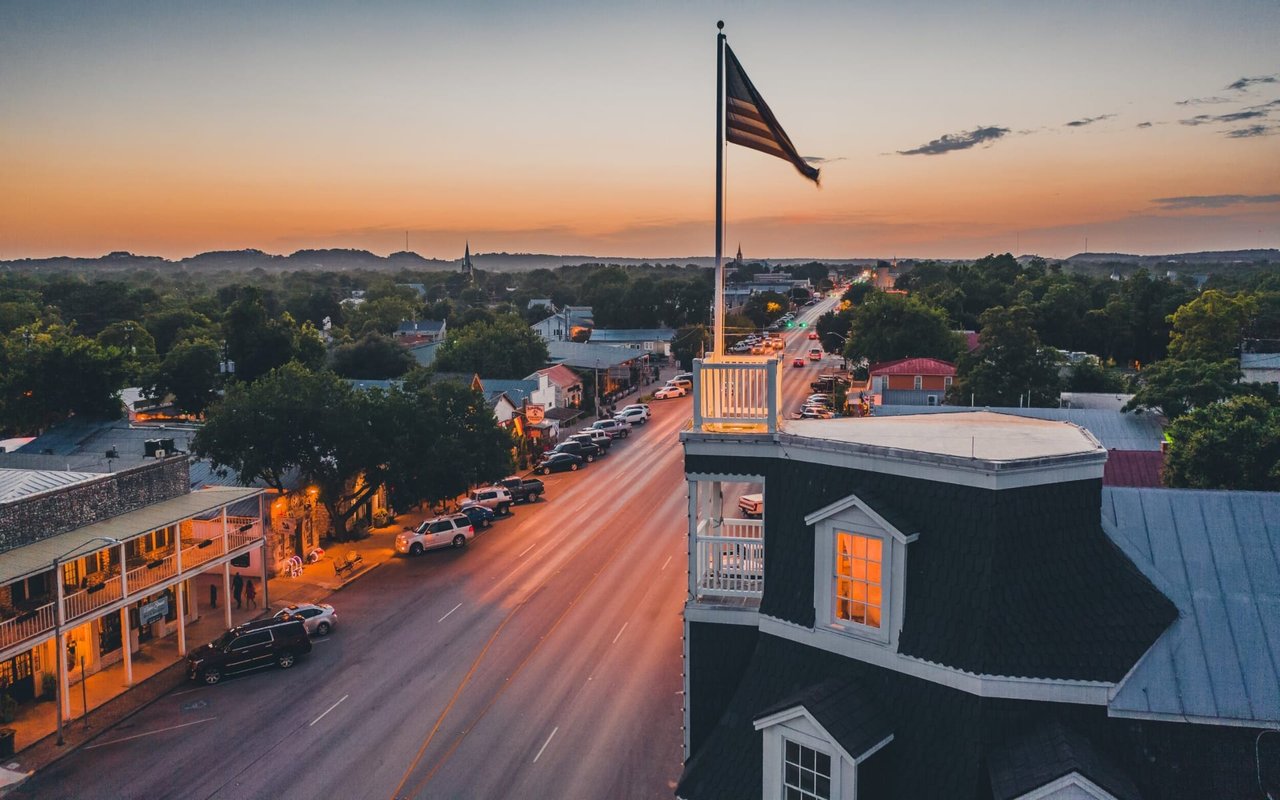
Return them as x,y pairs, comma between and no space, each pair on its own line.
604,335
591,356
18,483
1115,430
38,556
1260,361
1216,554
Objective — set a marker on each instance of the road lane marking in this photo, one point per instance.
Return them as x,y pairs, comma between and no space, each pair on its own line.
186,691
151,733
527,549
544,744
446,616
668,561
620,630
327,710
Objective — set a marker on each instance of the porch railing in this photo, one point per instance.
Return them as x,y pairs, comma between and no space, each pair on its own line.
730,559
736,395
26,625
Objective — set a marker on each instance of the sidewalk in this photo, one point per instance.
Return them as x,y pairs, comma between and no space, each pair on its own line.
157,668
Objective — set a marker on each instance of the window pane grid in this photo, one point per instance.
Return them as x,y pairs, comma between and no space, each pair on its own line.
859,580
806,773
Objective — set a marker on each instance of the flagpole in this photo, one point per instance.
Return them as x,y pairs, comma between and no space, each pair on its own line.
718,340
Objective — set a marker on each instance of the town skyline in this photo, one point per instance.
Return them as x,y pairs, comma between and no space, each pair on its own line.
941,132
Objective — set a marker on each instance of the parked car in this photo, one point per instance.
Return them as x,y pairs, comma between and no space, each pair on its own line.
683,382
495,498
817,413
668,392
444,531
523,490
587,451
797,362
252,645
682,376
559,462
600,438
480,516
635,416
317,618
588,439
751,505
618,429
634,408
828,383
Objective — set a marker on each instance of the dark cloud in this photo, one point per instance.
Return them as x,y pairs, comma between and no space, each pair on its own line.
1202,101
1264,106
1234,116
1245,83
1080,123
1145,124
1254,130
963,140
1213,201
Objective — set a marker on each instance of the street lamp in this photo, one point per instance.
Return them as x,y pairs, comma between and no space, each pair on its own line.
57,628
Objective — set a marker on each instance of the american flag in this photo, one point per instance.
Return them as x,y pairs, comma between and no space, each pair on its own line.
750,123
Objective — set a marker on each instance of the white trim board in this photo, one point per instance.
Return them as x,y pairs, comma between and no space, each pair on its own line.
1072,780
853,500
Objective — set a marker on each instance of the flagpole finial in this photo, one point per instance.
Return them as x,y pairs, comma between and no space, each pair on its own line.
720,25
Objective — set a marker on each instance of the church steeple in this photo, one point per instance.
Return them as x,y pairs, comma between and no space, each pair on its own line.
738,259
466,259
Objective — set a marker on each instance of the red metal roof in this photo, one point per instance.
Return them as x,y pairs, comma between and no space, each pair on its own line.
561,375
1133,468
913,366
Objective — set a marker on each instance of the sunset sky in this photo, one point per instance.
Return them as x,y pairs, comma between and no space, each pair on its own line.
946,129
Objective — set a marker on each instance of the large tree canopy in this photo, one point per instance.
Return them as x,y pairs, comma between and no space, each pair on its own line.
1010,367
505,348
1210,327
375,356
48,374
1175,387
1234,444
190,373
890,326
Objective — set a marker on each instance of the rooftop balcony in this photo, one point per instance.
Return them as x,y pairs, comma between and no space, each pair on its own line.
729,562
737,394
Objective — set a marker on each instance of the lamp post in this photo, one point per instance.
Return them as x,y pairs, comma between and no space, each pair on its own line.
57,628
597,374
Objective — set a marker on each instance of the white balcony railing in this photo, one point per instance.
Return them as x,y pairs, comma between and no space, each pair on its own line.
736,395
730,559
27,625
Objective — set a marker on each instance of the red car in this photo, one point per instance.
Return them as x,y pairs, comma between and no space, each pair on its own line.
797,362
813,334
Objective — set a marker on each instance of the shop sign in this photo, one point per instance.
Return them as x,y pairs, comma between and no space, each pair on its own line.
534,414
154,611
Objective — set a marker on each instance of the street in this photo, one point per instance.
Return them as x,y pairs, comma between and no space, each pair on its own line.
542,660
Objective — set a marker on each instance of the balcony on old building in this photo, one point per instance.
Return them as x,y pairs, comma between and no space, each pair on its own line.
737,394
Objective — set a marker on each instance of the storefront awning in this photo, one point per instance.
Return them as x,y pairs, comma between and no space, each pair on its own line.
38,556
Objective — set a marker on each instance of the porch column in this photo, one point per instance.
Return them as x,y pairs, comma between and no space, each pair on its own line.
124,572
60,645
182,619
266,589
226,592
128,648
693,540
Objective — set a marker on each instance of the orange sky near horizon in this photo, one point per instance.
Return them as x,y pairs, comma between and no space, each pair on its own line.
179,129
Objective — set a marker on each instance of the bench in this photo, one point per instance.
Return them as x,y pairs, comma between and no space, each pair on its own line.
348,563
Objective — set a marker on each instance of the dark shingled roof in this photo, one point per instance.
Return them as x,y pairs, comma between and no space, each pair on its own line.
848,711
1048,752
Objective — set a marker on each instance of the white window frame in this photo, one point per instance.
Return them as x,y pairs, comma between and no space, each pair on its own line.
946,382
798,725
851,515
919,383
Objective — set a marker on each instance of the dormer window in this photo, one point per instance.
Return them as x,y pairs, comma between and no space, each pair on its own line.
859,578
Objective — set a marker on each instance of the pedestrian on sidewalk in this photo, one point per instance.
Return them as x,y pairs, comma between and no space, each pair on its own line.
251,593
237,588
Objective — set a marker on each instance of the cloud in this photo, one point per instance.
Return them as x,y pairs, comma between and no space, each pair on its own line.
1213,201
1245,83
957,141
1264,106
1145,124
1202,101
1254,130
1080,123
1234,116
823,160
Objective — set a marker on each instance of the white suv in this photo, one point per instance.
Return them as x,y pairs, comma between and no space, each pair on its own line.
450,530
634,415
617,428
495,498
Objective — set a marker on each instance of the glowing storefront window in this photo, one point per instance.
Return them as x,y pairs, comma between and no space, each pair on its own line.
859,582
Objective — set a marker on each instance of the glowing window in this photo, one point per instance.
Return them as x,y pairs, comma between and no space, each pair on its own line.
859,582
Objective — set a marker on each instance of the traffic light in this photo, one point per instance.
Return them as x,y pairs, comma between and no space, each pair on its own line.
804,324
790,324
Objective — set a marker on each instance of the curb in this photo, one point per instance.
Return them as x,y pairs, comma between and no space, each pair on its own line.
357,575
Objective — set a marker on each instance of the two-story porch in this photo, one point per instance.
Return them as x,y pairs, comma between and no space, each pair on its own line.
76,602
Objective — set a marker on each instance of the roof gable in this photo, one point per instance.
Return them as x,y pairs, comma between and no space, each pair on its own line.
853,501
913,366
846,714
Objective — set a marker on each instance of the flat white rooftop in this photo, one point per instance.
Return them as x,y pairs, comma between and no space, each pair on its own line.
979,435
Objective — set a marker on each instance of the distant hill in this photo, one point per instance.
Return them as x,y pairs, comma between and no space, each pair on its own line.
338,260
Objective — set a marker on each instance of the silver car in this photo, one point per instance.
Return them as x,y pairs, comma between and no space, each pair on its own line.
317,618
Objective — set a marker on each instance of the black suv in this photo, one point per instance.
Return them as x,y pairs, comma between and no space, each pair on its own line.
584,450
260,643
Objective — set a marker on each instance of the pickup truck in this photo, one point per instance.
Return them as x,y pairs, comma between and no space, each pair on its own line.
523,490
751,505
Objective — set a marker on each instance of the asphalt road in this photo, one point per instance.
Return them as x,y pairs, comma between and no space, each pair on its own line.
541,661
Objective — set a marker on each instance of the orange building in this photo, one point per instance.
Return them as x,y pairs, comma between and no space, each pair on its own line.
912,381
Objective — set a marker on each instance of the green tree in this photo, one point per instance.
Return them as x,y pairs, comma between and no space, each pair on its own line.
169,325
1010,367
891,326
1210,327
1175,387
190,373
48,374
762,308
1234,444
505,348
1092,376
858,292
690,342
137,346
375,356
